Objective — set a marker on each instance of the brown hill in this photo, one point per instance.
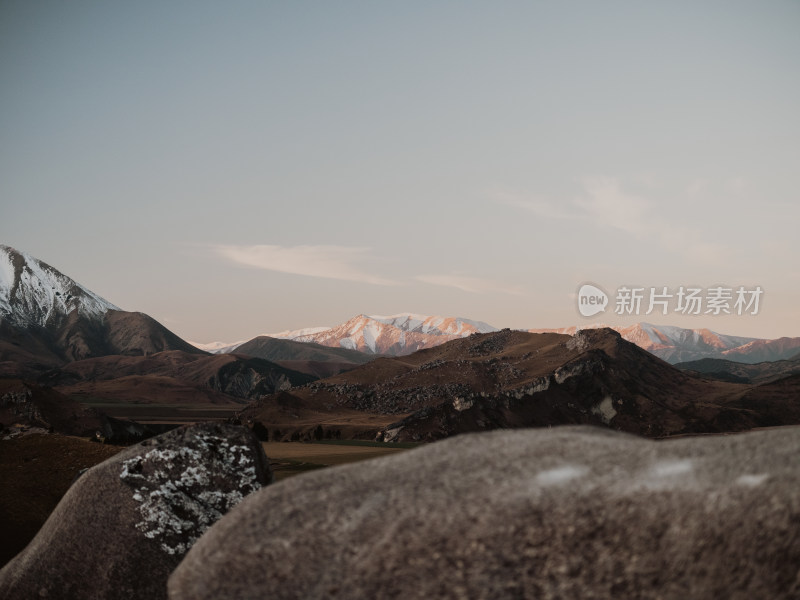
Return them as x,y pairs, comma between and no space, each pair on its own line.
173,377
32,349
728,370
518,379
306,357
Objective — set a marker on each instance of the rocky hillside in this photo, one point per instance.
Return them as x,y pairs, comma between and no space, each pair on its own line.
26,407
517,379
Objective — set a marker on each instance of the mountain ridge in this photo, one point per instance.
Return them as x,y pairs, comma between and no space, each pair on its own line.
58,333
33,292
395,335
404,333
47,319
511,379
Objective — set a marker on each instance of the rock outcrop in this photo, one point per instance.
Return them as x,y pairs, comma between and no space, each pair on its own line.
125,524
570,512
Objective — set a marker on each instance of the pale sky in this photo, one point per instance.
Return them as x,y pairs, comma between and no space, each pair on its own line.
237,168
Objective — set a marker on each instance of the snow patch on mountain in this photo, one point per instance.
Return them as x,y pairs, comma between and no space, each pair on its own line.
34,293
218,347
434,325
293,334
377,334
675,344
6,281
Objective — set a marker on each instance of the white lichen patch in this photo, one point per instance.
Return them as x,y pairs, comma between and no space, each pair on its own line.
578,342
390,434
750,480
671,468
561,475
183,491
462,404
605,410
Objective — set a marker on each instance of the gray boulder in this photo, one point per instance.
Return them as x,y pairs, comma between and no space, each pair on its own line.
125,524
569,512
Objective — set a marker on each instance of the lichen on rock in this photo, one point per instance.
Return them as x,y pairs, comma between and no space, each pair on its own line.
175,491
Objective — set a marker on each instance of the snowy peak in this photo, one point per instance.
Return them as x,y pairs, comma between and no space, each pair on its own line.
293,334
676,344
34,293
435,325
394,334
47,320
218,347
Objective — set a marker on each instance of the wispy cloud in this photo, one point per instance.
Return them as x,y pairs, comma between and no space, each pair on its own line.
608,204
604,202
537,206
474,285
330,262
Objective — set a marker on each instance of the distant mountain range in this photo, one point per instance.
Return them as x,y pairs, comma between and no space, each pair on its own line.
405,333
424,376
675,344
47,319
394,335
728,370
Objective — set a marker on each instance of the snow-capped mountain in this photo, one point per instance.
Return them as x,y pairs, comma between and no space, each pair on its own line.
218,347
294,334
405,333
676,344
34,293
228,347
47,319
395,334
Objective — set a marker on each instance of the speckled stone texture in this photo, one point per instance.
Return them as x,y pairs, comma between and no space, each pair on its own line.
569,512
125,524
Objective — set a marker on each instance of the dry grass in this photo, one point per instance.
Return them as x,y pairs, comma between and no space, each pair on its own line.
292,458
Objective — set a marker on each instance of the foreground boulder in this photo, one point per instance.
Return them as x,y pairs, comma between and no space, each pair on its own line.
569,512
125,524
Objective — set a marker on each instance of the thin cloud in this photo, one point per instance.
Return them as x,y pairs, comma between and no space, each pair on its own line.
608,204
537,206
473,285
605,203
329,262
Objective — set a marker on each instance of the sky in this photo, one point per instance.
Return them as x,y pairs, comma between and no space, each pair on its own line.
237,168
